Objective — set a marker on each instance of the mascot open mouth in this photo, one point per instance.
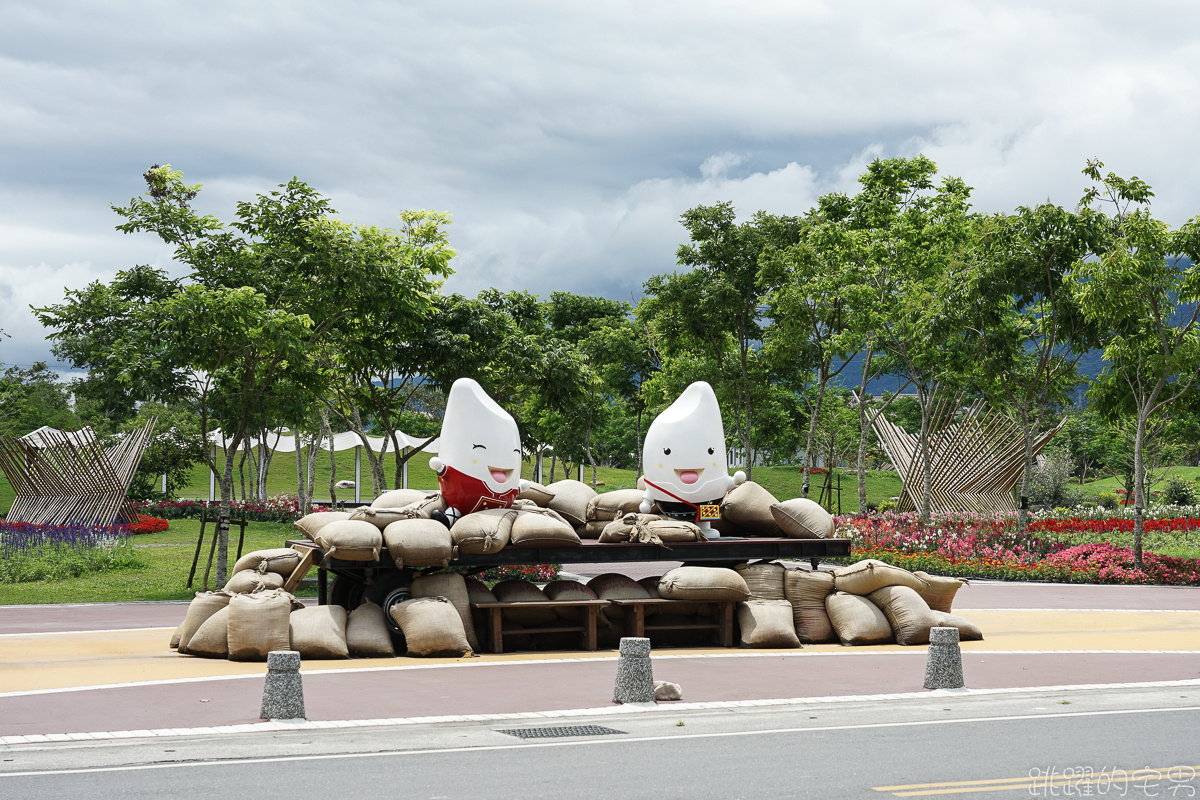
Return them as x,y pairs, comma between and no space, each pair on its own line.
500,475
688,476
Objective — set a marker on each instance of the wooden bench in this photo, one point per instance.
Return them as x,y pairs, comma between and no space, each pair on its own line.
586,626
636,616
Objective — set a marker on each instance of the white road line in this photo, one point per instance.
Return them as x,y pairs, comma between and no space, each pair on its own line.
298,725
82,633
589,741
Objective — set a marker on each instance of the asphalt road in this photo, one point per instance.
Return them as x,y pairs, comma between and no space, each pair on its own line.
947,745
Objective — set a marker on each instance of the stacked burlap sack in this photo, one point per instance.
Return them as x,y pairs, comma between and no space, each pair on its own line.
252,616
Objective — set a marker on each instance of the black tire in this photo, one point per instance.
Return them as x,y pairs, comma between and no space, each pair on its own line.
385,582
346,593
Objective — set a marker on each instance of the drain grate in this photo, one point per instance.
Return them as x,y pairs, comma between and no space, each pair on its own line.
553,733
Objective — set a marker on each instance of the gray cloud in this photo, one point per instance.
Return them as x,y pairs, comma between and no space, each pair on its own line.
565,140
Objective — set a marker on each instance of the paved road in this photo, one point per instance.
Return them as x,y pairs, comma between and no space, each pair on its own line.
942,745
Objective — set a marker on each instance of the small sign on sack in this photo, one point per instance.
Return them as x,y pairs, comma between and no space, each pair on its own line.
709,512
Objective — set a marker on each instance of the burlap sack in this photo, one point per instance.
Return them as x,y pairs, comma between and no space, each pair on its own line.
453,587
592,530
203,606
906,612
766,623
613,505
431,627
615,586
399,498
367,634
536,492
258,624
249,581
351,540
280,560
571,500
518,591
866,576
967,631
802,518
650,584
319,632
765,581
309,525
710,584
483,532
857,620
175,636
478,591
381,517
940,591
749,507
419,543
568,590
806,591
650,529
542,528
211,640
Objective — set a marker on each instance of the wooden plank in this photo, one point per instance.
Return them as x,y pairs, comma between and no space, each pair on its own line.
301,570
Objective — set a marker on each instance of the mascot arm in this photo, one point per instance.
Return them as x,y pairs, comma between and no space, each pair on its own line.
436,464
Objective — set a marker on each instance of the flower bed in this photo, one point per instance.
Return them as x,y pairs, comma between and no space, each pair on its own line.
53,552
278,508
537,573
147,524
1054,550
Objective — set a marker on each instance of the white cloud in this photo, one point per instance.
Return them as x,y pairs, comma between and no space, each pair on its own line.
564,139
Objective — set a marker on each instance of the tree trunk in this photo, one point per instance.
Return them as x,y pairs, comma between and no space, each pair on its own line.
223,517
812,431
553,463
313,447
244,450
332,458
1139,484
373,465
926,467
301,502
1026,474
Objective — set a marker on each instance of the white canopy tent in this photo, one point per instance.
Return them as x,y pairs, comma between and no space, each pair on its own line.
279,442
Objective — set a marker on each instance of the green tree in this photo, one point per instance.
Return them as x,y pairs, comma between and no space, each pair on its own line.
33,397
1025,326
264,295
1143,285
710,317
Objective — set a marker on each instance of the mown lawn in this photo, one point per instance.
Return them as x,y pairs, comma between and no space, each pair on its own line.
1112,483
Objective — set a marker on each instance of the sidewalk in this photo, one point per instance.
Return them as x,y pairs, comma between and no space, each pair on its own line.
107,668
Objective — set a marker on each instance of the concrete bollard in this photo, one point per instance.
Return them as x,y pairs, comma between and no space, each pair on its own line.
635,678
283,694
943,664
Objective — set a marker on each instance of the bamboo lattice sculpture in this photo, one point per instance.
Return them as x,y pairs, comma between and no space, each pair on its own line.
974,463
62,478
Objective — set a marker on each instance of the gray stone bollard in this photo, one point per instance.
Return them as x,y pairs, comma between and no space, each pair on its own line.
635,679
943,664
283,694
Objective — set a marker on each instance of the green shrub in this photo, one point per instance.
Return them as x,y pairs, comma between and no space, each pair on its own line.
1107,500
885,506
1179,492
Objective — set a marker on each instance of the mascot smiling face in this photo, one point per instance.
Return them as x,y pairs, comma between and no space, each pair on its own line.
479,452
684,453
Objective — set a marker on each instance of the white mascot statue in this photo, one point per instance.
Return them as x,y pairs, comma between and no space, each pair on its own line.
478,463
685,460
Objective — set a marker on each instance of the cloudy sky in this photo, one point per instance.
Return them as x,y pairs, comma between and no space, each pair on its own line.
564,138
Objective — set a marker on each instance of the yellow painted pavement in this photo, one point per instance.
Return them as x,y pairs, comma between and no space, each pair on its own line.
51,661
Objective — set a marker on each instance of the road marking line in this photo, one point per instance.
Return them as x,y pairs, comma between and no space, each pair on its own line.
1031,782
81,633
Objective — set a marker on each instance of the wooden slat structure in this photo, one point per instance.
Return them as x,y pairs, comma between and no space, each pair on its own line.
63,478
975,462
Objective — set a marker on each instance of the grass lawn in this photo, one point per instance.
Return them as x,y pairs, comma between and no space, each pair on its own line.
168,556
1112,483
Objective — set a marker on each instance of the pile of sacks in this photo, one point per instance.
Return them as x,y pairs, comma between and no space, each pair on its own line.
252,615
870,602
556,515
